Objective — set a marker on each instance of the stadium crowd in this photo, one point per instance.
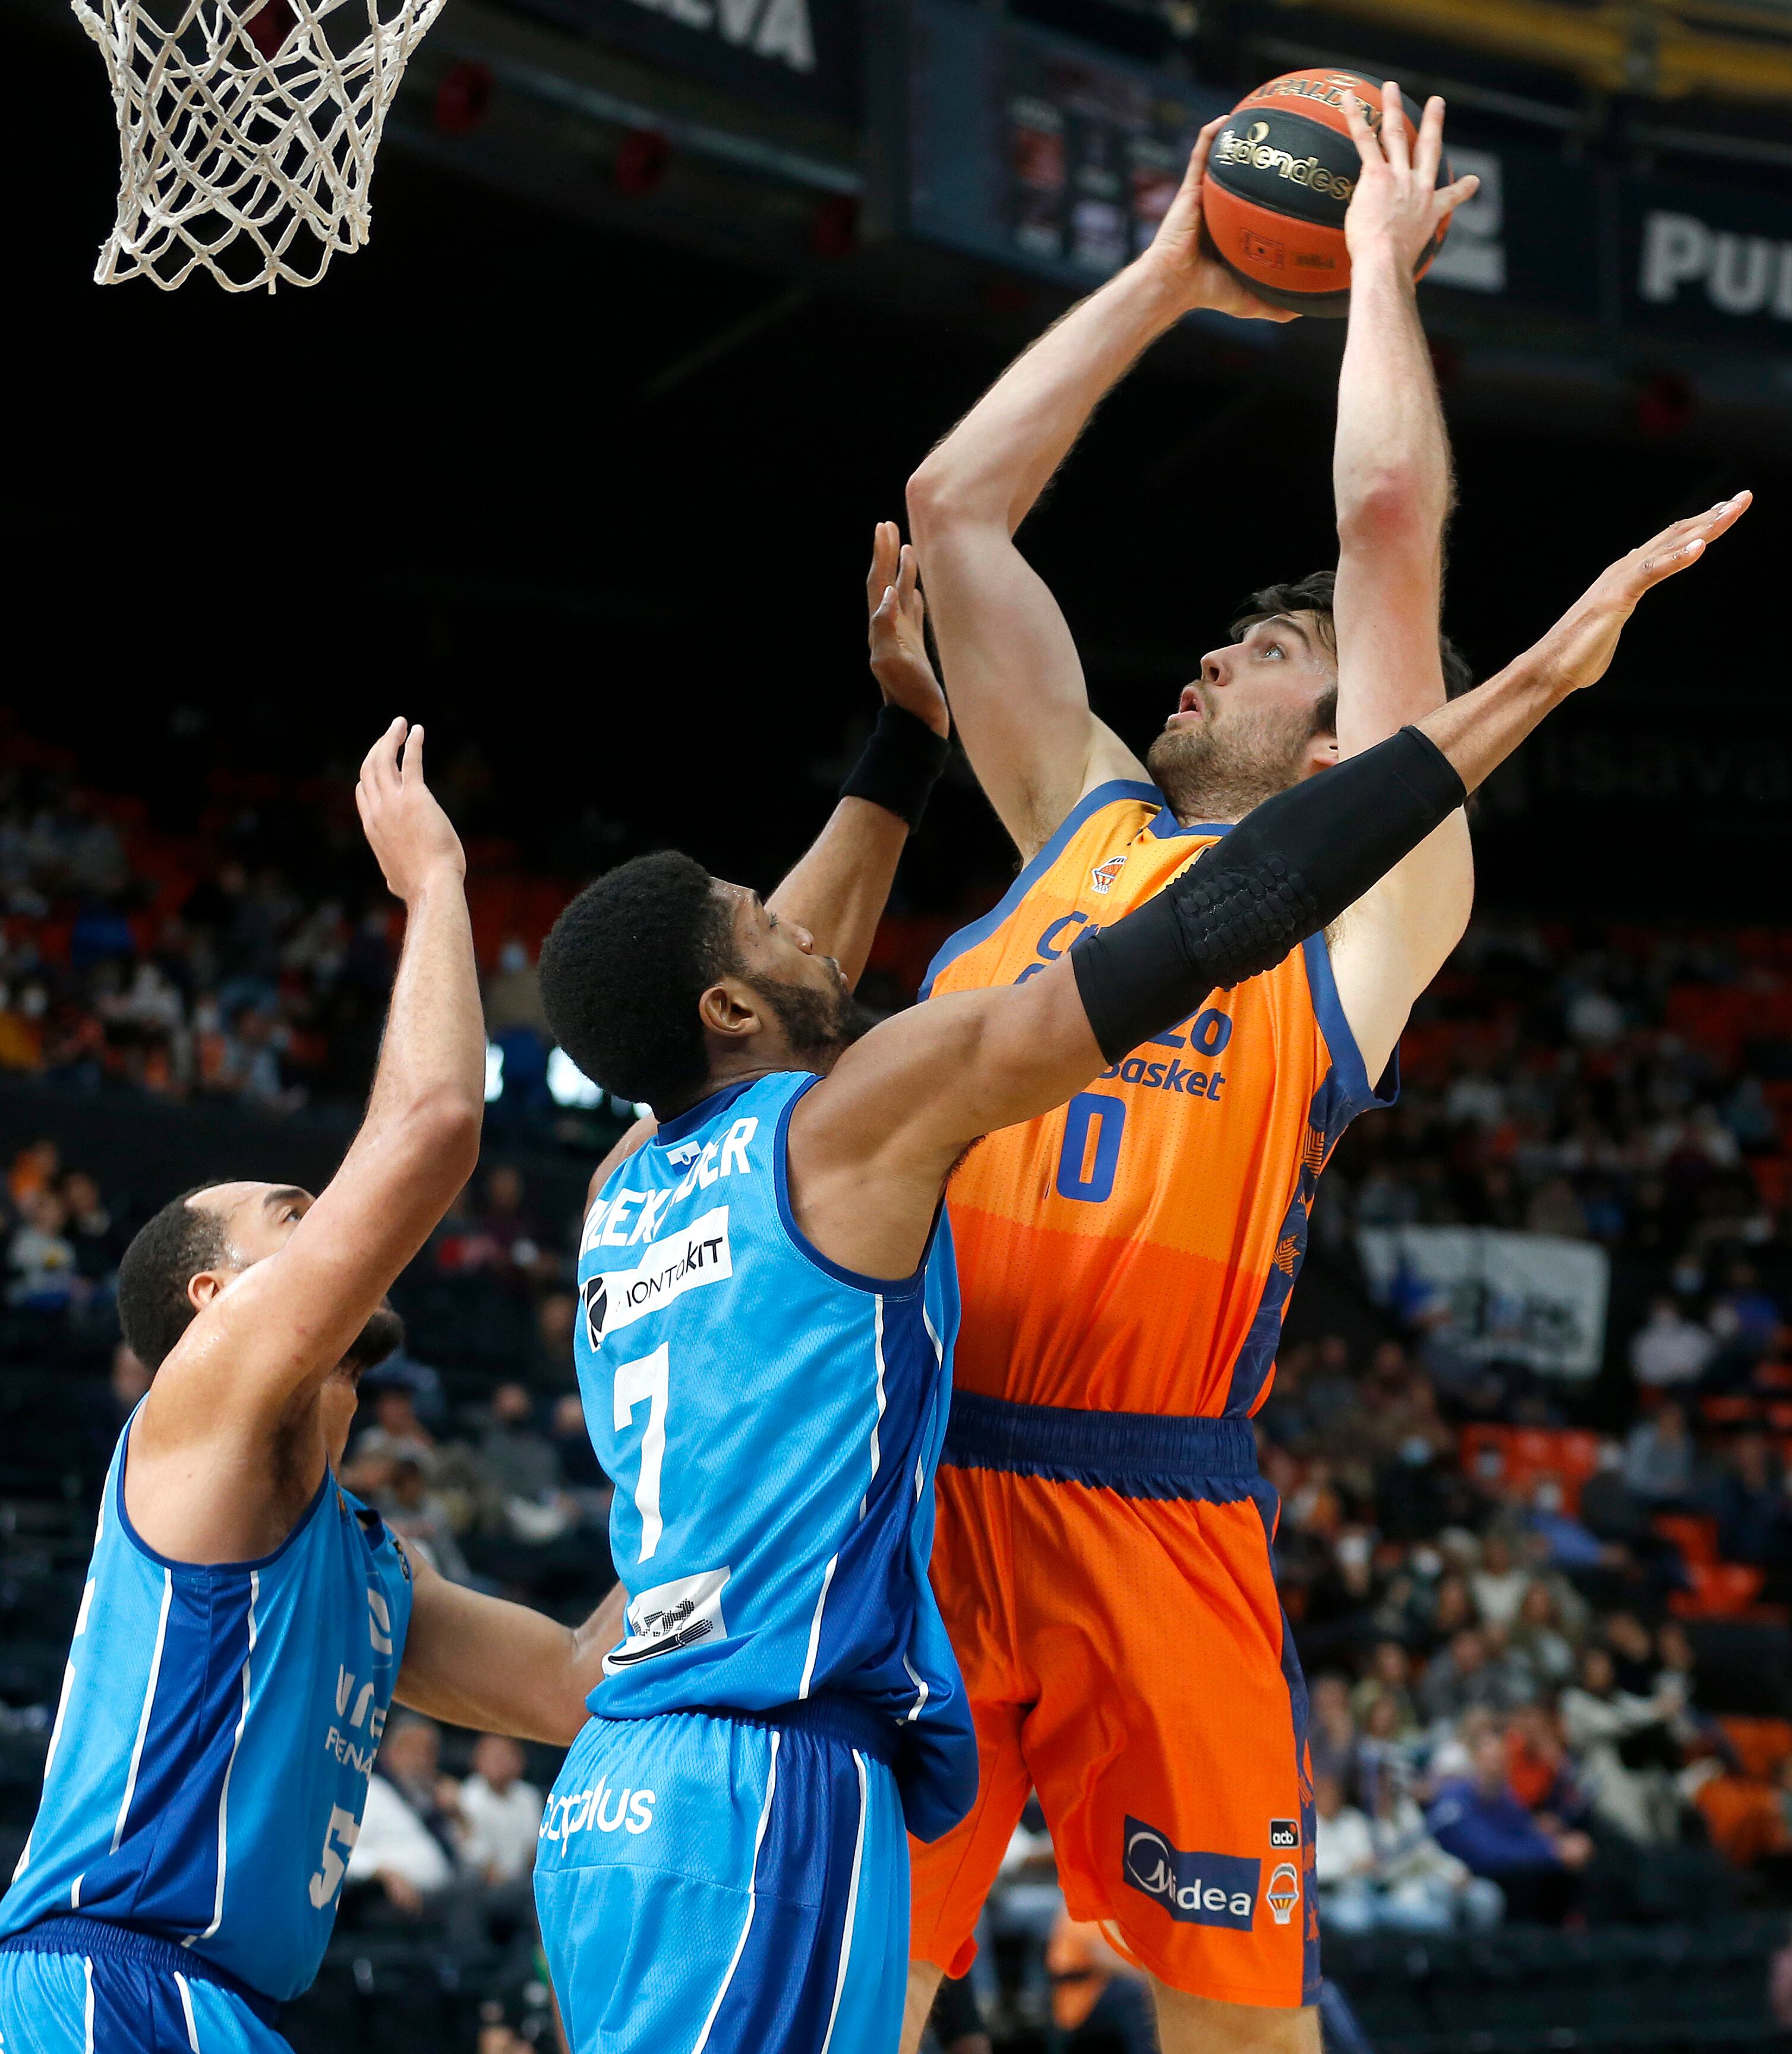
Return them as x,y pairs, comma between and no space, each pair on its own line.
1543,1621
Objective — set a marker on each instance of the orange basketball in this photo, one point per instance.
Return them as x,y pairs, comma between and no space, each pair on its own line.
1278,180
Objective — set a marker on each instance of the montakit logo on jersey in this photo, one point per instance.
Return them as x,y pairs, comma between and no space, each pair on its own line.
696,1254
1196,1889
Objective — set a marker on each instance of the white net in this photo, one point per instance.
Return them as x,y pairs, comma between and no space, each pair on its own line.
248,129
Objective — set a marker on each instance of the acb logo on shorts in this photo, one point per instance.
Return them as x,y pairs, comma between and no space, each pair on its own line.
1198,1889
1284,1833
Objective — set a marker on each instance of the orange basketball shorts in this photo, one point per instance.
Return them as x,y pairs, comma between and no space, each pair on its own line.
1106,1579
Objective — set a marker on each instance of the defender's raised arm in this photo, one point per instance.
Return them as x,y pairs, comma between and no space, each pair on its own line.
286,1286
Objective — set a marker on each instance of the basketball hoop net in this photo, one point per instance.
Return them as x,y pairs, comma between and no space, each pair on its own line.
247,131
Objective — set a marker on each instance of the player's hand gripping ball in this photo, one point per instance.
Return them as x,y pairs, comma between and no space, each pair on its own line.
1279,178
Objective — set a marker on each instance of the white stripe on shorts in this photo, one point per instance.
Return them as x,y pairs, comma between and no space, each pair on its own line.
186,2011
740,1945
852,1903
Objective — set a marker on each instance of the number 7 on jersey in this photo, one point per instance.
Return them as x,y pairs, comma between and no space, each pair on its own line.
647,1378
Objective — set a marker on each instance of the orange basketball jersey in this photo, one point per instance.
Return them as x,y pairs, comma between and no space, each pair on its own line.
1134,1250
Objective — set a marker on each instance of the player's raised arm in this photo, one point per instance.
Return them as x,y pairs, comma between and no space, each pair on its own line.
838,890
1011,670
1391,457
296,1282
1391,476
870,1147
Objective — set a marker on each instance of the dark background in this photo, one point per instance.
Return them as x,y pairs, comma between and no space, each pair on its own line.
544,485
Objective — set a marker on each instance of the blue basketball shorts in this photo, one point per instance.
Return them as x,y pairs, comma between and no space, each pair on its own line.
84,1986
713,1884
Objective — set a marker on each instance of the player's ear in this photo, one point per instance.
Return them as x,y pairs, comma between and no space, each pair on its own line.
201,1289
731,1009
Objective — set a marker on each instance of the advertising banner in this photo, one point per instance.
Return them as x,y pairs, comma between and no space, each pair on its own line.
1495,1296
795,53
1700,262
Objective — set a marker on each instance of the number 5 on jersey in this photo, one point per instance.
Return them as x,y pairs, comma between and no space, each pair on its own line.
647,1378
347,1828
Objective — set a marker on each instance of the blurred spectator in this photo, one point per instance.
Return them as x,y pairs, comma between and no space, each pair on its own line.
1624,1748
1466,1676
411,1832
1382,1869
1537,1640
514,992
1749,1501
1332,1732
399,1487
41,1271
397,1434
34,1169
1478,1818
1097,2000
91,1230
1498,1586
501,1813
1389,1680
1670,1350
1658,1457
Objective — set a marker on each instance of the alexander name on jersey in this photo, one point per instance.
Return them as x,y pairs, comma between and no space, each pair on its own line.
672,1261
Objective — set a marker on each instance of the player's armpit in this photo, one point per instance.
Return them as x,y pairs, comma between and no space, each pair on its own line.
1388,946
479,1662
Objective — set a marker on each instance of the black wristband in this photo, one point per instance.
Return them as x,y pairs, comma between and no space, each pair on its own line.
1288,869
901,764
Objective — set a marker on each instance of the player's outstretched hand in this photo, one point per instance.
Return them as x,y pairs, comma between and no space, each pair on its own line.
411,837
1200,279
1398,203
899,660
1578,649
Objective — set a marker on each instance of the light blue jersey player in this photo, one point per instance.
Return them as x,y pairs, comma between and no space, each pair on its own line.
213,1721
784,1697
245,1623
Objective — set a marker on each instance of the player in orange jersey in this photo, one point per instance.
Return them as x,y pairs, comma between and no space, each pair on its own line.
1102,1550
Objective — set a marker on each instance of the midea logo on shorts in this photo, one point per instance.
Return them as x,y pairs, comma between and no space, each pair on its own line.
1196,1889
1147,1862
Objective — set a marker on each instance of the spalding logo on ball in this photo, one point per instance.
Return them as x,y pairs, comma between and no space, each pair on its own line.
1279,178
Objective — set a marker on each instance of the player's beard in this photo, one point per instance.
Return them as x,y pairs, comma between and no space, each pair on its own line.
1209,772
821,1026
383,1335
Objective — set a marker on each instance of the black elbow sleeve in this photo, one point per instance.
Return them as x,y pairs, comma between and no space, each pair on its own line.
1288,869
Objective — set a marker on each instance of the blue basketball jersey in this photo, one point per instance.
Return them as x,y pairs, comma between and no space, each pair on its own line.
772,1422
208,1763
